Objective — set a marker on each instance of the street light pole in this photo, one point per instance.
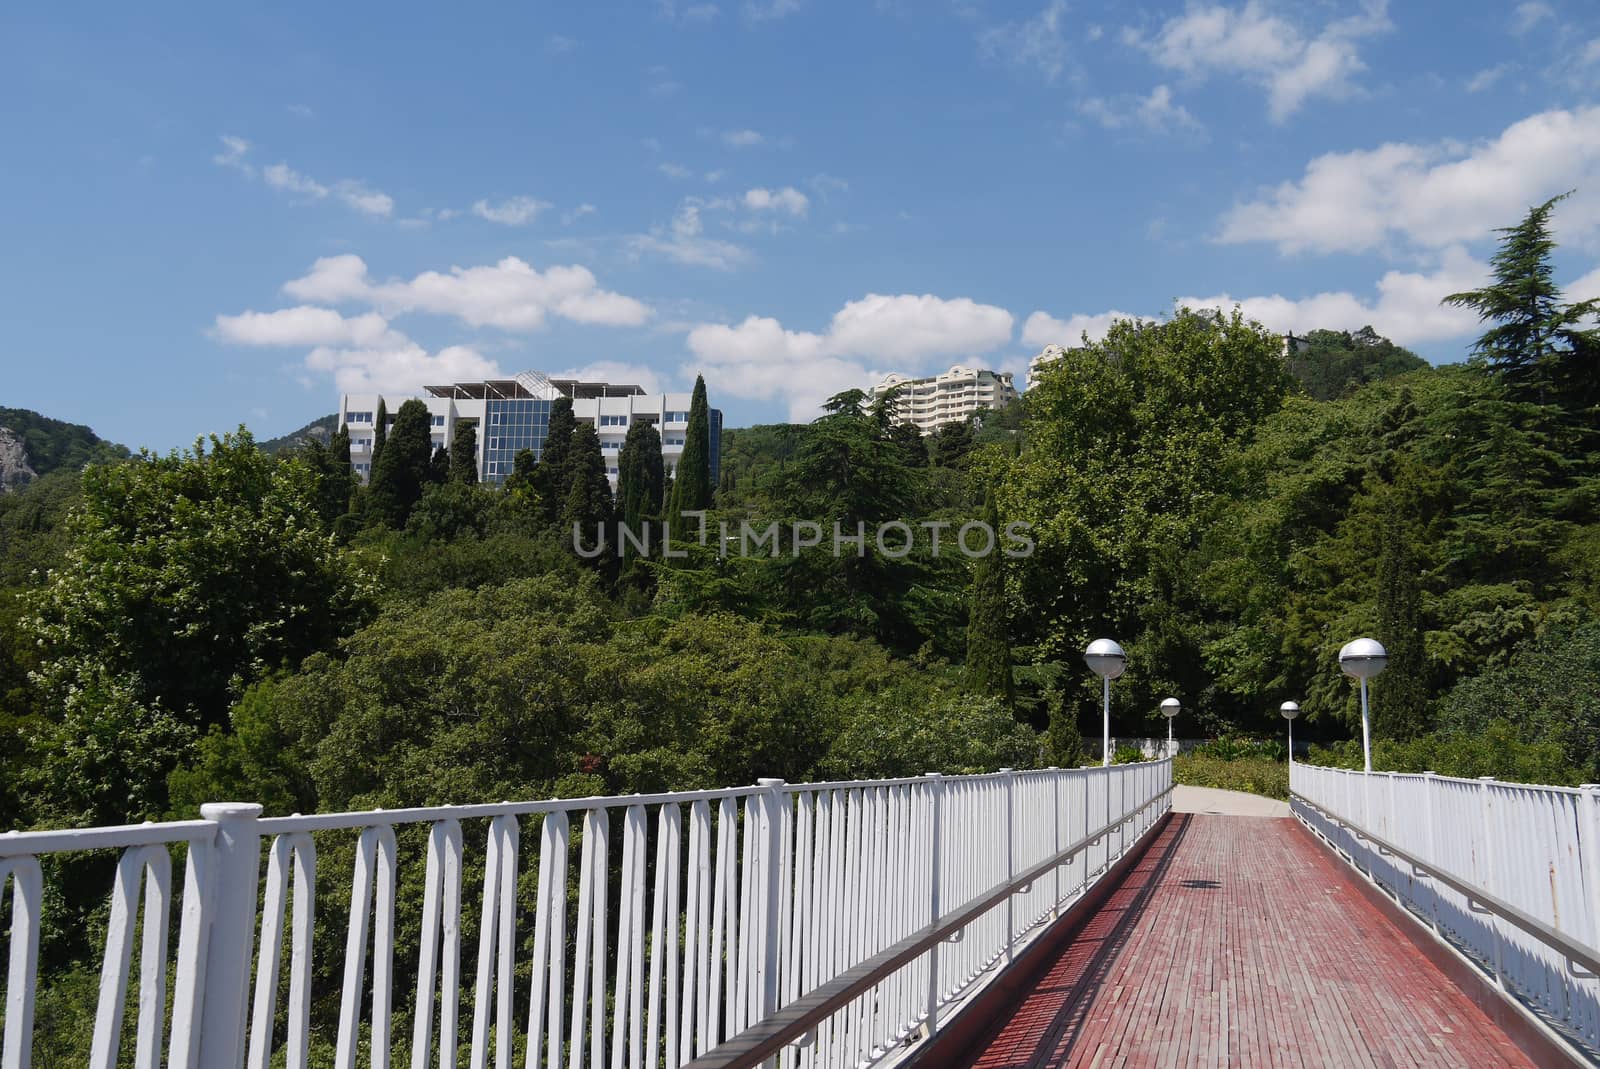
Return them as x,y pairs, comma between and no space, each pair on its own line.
1106,660
1169,709
1362,659
1290,710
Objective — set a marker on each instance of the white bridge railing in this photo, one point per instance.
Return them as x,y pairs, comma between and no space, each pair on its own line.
661,926
1508,872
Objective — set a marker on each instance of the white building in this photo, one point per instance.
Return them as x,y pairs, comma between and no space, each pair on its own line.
949,397
514,414
1049,354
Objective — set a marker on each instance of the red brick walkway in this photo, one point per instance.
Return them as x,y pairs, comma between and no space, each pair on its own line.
1237,941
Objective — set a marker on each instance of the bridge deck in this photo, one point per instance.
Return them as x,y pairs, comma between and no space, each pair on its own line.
1238,941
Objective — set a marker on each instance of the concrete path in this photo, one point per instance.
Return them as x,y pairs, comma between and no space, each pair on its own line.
1225,803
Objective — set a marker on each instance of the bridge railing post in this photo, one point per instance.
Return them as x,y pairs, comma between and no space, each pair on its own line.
1055,818
772,917
1429,846
935,878
1491,882
235,869
1010,775
1589,851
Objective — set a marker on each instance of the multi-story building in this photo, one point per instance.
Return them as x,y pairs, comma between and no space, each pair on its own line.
514,414
1049,354
949,397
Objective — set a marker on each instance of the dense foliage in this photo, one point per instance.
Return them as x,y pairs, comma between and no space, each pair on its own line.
52,445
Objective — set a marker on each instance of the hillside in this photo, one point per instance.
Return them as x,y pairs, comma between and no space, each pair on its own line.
32,445
319,429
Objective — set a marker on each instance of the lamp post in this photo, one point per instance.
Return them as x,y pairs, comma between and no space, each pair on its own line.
1290,710
1362,659
1106,660
1169,709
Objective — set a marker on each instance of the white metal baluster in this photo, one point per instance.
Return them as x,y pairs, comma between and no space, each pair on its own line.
294,852
626,1017
371,899
724,953
750,901
149,867
439,953
26,880
693,1037
549,944
496,946
664,938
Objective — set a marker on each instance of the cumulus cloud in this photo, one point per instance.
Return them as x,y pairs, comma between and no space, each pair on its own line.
1265,49
743,138
405,367
304,325
788,199
1155,113
350,192
1526,16
514,211
684,241
1038,44
760,358
1432,195
1405,308
510,295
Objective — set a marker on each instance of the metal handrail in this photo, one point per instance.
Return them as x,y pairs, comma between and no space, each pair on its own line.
1575,953
768,1037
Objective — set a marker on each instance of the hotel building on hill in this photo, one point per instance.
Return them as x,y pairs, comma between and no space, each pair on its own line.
513,414
949,397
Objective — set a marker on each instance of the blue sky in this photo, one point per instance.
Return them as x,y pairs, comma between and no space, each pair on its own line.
231,214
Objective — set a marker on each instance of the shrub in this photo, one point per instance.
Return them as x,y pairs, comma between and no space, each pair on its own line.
1498,751
1253,775
1127,755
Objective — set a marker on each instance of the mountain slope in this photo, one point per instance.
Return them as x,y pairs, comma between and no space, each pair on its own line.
320,429
32,445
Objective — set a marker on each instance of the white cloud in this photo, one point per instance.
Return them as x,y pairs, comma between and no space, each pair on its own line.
788,199
282,176
675,170
768,10
742,138
557,43
1155,113
304,325
404,367
568,218
760,358
233,153
1528,15
1265,49
825,184
513,211
1038,44
1486,78
1043,329
509,295
1405,308
364,200
1432,195
684,241
614,371
686,13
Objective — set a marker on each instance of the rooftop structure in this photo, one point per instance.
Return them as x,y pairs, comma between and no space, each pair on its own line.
514,414
949,397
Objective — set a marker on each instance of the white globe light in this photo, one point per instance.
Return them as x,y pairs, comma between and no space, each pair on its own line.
1363,658
1290,710
1105,658
1170,707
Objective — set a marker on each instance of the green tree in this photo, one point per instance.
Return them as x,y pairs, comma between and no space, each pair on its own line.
552,478
1332,363
1536,339
341,484
586,513
1402,691
640,475
988,633
908,436
691,481
404,467
380,432
951,443
439,466
464,454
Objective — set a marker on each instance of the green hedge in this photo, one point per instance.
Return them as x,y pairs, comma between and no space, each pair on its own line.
1253,775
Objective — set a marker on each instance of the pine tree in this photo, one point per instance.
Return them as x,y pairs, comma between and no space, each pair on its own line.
640,476
1536,339
908,436
402,469
691,482
988,641
464,454
551,478
380,435
586,511
1063,739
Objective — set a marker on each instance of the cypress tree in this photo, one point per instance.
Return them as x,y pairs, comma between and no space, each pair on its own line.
464,454
691,482
551,478
588,501
402,469
380,435
988,643
641,474
1401,694
439,466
